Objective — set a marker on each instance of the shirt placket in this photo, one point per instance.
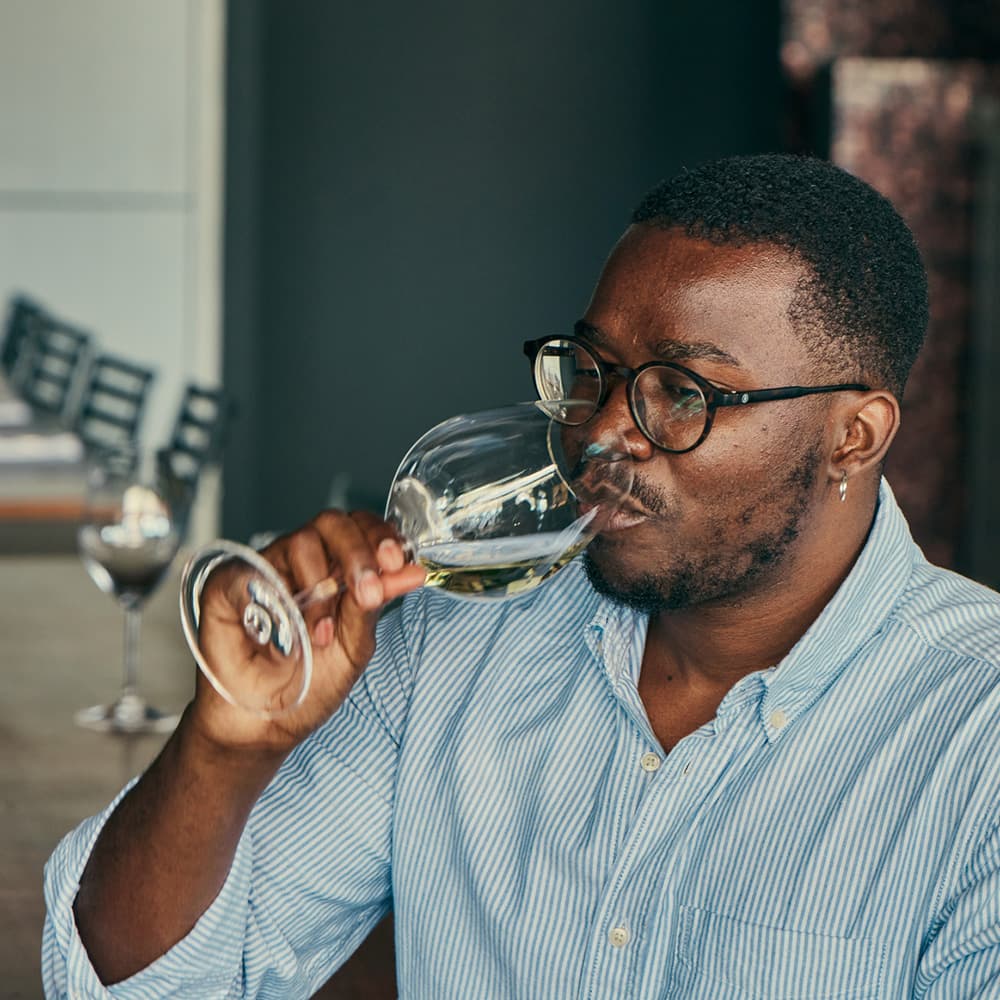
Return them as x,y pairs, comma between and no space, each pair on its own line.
666,809
677,786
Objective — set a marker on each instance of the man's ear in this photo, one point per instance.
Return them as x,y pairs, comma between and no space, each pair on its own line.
864,428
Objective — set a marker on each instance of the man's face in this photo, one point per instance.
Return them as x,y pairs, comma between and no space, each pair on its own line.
719,522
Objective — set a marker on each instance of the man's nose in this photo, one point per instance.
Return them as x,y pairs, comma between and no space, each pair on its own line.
616,419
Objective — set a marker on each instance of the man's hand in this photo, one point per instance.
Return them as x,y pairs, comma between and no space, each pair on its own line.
361,549
166,850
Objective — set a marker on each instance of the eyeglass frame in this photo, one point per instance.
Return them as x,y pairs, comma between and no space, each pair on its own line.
713,395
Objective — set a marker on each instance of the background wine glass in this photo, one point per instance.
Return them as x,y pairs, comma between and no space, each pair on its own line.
491,504
127,540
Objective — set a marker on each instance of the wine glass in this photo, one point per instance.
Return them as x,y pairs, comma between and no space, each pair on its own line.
490,504
127,540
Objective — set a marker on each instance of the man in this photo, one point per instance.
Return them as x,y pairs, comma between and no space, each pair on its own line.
749,747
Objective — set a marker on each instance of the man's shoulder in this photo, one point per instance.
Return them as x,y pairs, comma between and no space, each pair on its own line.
951,613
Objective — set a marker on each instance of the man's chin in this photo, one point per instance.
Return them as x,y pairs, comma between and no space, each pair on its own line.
638,593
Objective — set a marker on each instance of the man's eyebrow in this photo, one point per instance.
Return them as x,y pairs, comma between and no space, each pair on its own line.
697,350
581,328
666,350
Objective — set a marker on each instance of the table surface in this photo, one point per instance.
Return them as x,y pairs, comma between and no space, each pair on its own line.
60,650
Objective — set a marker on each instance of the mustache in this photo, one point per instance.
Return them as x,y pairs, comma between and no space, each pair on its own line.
652,500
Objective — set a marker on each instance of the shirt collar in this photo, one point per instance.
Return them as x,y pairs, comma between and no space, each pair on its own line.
616,635
856,613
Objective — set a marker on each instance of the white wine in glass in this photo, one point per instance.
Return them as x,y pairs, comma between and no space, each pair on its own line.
127,541
491,504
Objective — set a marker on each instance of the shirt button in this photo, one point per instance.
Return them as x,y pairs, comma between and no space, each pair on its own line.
618,936
650,762
778,719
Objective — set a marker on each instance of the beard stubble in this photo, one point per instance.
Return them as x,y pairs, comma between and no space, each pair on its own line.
731,569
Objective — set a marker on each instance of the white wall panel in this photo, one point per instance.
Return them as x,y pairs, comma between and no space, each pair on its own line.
93,95
111,119
118,275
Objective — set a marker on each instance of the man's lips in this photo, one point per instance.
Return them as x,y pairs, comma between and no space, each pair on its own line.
628,515
625,517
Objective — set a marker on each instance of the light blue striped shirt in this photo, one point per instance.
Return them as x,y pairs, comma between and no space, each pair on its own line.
833,832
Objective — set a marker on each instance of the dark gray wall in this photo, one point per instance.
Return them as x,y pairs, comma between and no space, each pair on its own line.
413,191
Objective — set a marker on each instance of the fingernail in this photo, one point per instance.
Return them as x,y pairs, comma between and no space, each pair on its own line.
390,555
370,588
323,632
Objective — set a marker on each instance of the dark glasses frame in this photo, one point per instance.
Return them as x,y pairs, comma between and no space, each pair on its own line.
714,396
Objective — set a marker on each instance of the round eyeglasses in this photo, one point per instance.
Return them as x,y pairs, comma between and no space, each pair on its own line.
672,406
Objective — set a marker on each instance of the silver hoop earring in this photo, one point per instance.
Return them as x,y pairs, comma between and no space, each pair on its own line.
843,487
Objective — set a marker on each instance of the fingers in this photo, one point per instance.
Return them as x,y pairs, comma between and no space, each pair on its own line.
359,550
302,558
394,584
398,575
351,542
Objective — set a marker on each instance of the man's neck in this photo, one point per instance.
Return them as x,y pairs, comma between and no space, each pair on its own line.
719,644
695,655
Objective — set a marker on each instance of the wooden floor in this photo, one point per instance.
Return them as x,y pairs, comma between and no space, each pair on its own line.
60,650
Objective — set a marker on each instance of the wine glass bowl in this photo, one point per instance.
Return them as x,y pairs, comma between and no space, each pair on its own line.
490,504
127,540
127,549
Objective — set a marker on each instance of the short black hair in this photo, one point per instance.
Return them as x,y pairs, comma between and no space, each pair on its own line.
865,292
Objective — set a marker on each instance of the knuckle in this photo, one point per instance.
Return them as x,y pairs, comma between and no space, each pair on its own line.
329,519
372,526
303,541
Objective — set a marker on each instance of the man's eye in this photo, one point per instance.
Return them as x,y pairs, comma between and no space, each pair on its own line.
684,399
683,394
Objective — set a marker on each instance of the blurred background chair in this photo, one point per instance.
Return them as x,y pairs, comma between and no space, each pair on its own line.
22,312
22,315
42,459
49,361
196,442
113,404
64,406
50,367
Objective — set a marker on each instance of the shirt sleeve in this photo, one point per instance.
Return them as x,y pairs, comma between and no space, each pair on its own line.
962,960
311,875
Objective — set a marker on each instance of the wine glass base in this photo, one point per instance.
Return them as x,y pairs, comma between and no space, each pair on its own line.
130,714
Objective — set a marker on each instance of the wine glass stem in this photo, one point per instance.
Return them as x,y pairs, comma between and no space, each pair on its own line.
322,591
130,657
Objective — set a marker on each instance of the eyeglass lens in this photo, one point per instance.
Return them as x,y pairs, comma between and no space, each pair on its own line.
669,406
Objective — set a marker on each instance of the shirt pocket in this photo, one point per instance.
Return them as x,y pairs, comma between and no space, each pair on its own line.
719,956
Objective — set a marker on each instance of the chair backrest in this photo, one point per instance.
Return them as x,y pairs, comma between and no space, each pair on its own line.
114,401
196,441
198,432
51,364
20,317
